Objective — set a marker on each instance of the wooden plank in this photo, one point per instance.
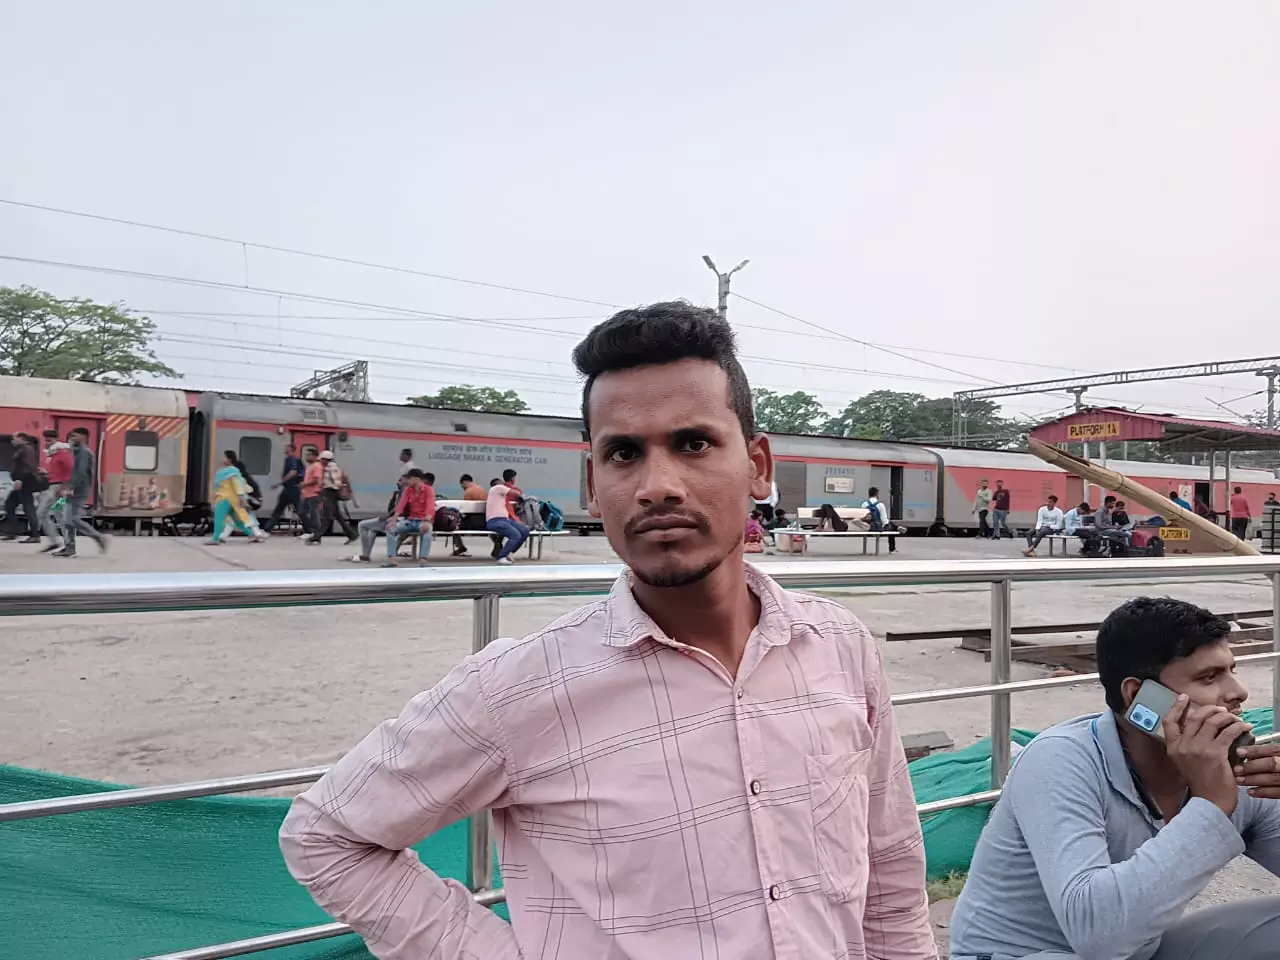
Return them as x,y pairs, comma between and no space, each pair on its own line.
919,745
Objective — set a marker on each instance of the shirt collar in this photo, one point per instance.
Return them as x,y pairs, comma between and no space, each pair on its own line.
781,616
1115,760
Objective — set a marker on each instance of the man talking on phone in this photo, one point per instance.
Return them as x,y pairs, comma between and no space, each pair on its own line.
1105,834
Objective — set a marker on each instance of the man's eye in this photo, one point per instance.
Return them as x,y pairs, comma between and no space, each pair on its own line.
696,446
623,454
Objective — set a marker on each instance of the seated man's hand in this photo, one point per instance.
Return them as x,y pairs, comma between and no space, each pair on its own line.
1260,771
1197,739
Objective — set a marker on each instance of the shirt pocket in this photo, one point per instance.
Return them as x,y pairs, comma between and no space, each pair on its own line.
840,800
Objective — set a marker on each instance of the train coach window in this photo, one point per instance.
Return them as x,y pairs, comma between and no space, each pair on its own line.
141,451
6,454
255,454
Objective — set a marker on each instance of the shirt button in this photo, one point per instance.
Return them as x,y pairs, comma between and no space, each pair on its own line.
775,892
755,786
741,693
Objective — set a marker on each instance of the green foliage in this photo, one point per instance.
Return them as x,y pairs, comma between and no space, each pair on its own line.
797,412
74,339
466,397
896,415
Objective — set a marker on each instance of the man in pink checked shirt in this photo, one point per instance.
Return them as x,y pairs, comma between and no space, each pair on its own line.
702,765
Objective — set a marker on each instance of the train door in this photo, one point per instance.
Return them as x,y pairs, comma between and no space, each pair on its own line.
1203,493
883,479
303,439
64,425
896,506
791,478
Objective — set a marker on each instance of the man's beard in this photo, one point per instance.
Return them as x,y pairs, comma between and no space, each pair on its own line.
679,578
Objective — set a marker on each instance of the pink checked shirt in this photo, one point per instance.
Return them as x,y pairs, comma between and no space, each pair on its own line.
648,805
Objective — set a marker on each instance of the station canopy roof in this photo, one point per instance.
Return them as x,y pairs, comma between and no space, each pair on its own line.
1175,434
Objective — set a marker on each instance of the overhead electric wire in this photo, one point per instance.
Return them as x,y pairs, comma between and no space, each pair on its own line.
332,258
865,343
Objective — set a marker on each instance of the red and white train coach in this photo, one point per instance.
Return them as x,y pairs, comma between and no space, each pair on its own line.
158,450
138,434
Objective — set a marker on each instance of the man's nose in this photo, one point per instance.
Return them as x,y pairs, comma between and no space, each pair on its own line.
660,479
1237,692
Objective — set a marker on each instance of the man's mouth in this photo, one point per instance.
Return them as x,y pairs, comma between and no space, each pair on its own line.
665,523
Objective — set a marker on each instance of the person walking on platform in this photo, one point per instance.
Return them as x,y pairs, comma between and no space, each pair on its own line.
1240,514
333,486
1000,512
230,502
312,484
59,462
23,472
290,487
982,509
81,488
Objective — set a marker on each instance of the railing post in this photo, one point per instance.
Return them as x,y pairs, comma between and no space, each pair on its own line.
484,630
1275,646
1001,662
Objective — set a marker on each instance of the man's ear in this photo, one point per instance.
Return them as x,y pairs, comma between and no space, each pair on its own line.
761,466
593,507
1129,689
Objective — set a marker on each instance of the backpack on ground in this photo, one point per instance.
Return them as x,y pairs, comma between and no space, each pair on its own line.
552,518
446,520
528,512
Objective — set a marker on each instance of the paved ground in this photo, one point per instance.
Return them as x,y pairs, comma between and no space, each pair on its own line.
158,698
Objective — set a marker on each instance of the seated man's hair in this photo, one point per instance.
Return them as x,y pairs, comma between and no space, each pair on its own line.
664,333
1142,636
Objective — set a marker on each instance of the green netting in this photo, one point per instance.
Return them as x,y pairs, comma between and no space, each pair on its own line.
136,881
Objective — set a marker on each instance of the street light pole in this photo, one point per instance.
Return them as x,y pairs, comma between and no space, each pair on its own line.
722,285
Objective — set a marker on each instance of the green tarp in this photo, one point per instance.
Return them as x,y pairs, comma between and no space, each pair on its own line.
135,881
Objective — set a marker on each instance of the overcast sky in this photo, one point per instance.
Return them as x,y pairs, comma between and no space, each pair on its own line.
1010,190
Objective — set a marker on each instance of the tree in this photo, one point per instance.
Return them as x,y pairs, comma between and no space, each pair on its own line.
797,412
895,415
467,397
74,339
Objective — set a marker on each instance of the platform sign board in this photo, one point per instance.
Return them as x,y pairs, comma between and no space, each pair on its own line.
1108,430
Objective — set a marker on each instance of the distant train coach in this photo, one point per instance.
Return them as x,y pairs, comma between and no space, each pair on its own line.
138,434
158,450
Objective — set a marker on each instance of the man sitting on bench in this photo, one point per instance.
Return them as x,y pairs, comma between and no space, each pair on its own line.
1049,522
1105,834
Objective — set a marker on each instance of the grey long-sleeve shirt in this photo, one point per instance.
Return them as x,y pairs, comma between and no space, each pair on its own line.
1071,860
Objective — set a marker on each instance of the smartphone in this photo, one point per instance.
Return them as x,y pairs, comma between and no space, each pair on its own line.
1148,710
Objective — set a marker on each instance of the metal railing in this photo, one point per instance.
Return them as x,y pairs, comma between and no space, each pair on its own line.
44,595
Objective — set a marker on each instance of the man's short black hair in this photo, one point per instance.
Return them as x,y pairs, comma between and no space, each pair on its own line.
81,431
1144,635
429,477
508,475
415,472
1053,497
664,333
1238,490
873,491
1108,499
51,434
406,452
465,478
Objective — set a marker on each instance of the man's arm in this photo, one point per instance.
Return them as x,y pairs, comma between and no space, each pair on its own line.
1108,911
347,838
895,923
